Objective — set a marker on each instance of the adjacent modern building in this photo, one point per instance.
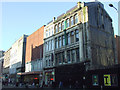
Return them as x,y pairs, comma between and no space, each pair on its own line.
34,57
17,59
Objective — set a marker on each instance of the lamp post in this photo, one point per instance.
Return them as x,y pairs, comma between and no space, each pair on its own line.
111,5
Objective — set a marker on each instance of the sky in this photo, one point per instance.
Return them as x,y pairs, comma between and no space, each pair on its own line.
20,18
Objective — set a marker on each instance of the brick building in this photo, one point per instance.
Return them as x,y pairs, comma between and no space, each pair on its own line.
34,56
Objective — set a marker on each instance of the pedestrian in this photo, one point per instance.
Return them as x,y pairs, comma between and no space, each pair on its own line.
43,84
60,84
76,85
70,83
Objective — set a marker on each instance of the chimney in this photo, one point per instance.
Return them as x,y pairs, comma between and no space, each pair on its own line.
78,4
53,19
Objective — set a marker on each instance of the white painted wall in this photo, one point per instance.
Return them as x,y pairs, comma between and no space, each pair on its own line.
16,55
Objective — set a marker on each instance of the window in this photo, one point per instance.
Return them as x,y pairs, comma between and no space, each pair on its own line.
73,55
72,37
114,80
71,21
47,33
49,45
56,59
59,58
56,28
68,38
60,41
52,30
52,59
63,40
49,62
62,25
67,23
76,18
95,80
63,57
52,43
46,63
77,35
59,25
68,56
56,43
77,55
46,46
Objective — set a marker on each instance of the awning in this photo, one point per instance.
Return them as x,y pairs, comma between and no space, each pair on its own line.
30,73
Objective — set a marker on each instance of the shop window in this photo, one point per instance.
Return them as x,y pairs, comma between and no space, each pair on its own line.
72,37
95,80
71,21
62,25
73,55
77,35
114,80
68,56
67,23
59,25
76,18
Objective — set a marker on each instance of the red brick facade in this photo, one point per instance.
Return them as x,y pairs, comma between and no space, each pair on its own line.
34,45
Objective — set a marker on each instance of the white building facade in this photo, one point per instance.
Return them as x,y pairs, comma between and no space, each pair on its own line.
17,57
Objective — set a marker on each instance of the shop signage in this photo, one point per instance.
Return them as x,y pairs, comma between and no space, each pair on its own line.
107,80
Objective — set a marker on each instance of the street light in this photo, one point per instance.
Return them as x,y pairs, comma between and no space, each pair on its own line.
111,5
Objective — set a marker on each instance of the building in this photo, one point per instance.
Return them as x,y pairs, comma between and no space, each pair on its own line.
17,59
84,40
34,57
6,64
48,55
1,53
119,18
1,66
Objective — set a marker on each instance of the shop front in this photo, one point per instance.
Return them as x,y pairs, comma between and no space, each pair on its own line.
49,77
32,77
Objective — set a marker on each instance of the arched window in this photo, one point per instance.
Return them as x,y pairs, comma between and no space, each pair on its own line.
71,21
56,28
77,35
67,23
59,25
62,25
76,18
